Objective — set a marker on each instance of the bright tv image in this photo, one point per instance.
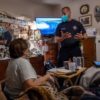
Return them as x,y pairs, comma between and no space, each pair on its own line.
47,26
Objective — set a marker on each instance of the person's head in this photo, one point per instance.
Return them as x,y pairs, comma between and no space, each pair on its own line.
18,48
66,13
7,26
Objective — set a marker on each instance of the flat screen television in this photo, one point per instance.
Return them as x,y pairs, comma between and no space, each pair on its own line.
47,26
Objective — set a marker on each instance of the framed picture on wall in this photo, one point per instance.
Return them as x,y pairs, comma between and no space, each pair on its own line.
86,20
84,9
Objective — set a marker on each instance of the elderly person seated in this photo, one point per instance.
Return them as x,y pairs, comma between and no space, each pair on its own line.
20,75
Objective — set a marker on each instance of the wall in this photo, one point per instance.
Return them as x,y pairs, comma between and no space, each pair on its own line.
75,7
56,1
33,8
29,8
47,8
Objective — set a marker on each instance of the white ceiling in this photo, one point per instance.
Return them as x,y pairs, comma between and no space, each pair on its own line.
53,1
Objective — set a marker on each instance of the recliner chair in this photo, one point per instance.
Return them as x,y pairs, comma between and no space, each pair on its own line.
34,93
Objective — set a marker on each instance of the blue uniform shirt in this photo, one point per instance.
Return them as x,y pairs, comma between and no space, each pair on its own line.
72,27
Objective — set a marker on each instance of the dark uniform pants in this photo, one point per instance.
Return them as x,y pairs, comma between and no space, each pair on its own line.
66,54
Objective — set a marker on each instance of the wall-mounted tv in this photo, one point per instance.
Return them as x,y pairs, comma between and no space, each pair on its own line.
47,26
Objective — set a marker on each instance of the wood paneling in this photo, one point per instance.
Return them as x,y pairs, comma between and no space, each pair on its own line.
89,51
3,66
37,63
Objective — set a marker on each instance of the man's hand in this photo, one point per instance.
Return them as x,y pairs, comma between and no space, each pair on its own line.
66,35
63,37
79,36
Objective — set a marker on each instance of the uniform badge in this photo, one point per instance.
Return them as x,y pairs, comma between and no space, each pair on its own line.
74,27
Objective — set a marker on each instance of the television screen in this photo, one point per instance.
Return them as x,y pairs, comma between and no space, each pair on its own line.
47,26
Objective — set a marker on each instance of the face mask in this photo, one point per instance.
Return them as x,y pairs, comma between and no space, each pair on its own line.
65,18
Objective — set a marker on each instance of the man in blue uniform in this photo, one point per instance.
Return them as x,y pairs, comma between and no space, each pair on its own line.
68,34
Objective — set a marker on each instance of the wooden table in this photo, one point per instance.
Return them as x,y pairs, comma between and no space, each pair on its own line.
72,75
